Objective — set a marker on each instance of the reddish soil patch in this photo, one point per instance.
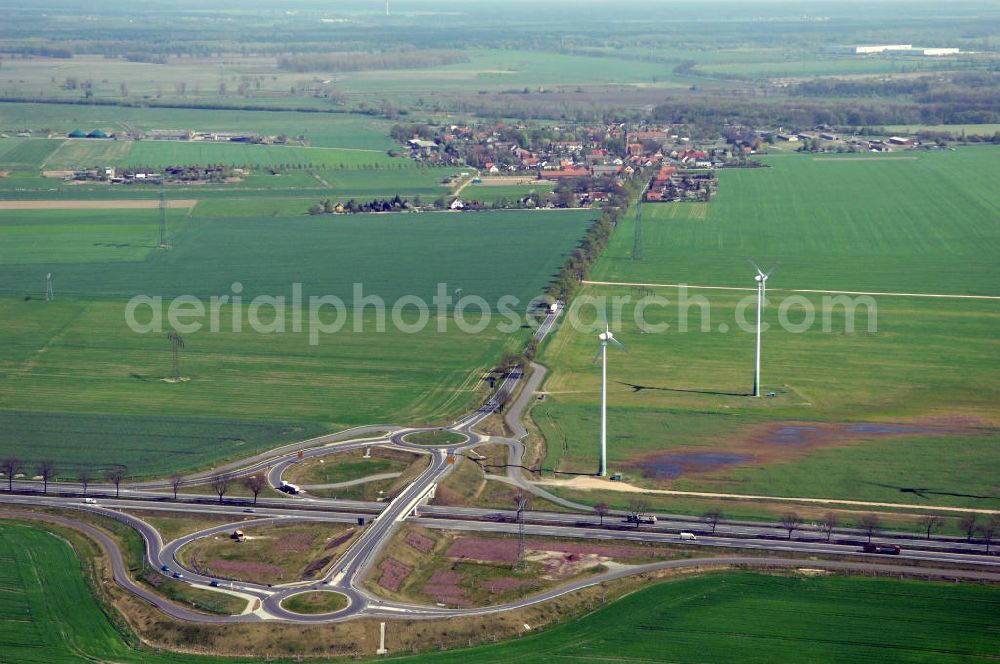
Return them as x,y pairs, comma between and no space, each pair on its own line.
393,574
419,542
485,550
775,442
238,567
443,588
295,542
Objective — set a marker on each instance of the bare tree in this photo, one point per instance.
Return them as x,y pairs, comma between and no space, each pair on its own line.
46,469
988,531
255,484
11,466
930,523
115,475
828,524
220,483
712,518
175,483
601,510
969,525
790,521
870,523
83,477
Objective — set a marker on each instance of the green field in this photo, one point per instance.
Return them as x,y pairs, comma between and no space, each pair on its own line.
490,193
77,355
23,154
88,153
47,611
57,237
754,618
47,614
180,153
678,414
685,393
913,222
338,130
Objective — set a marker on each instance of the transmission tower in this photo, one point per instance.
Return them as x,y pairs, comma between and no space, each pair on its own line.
521,501
49,293
163,221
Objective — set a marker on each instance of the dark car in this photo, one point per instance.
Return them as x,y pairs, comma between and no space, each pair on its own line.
178,575
214,584
165,568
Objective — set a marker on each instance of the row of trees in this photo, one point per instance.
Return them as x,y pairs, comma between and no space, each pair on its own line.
46,470
336,62
870,524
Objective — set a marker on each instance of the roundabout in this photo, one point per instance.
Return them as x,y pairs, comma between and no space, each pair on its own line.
316,602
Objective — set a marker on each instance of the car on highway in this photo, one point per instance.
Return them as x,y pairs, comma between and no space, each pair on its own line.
89,501
249,510
165,568
214,584
178,575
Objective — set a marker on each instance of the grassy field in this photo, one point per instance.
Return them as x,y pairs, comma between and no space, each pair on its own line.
25,154
47,612
178,153
347,466
339,130
315,602
46,238
923,224
678,410
88,153
435,438
72,370
754,618
404,254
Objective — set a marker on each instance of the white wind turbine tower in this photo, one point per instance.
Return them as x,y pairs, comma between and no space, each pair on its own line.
761,279
606,338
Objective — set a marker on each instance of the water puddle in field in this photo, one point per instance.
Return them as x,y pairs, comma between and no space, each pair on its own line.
672,466
804,434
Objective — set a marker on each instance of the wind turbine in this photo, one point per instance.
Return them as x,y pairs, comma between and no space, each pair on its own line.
606,338
761,279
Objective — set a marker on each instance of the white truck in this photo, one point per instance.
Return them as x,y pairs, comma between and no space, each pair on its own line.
688,536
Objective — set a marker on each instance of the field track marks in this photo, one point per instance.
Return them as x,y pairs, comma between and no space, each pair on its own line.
147,204
41,167
795,290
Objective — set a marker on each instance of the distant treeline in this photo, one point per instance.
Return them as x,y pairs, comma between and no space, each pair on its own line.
371,61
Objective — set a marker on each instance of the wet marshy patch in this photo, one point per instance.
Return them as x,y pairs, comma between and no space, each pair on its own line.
783,441
673,465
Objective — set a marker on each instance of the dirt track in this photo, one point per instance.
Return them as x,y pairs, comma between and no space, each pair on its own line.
94,205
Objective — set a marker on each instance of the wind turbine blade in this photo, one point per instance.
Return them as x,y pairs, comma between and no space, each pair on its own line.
618,343
773,268
598,356
756,267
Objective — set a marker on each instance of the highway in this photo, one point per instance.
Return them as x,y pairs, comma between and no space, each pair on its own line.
937,558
